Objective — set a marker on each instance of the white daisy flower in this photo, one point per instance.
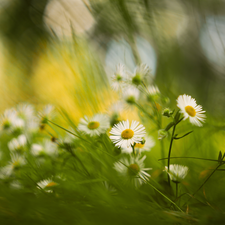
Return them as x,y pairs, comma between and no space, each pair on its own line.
25,111
46,184
114,112
32,125
111,190
47,148
140,73
18,124
119,77
133,170
17,144
141,147
153,90
47,113
124,135
191,110
16,185
16,162
116,108
9,120
131,95
97,125
177,172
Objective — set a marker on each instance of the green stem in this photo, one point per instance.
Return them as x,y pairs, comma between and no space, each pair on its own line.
68,131
213,160
75,156
207,179
169,153
165,196
147,182
150,116
203,183
177,189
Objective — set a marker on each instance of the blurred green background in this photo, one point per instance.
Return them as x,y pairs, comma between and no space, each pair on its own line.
42,42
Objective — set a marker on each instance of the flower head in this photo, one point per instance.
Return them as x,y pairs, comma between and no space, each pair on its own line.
153,92
125,135
46,184
191,110
131,95
94,126
47,113
8,118
146,145
10,121
177,172
133,170
139,74
25,111
16,163
18,144
47,148
114,112
118,77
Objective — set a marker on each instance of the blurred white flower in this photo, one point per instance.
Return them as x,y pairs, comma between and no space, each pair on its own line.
114,112
18,144
139,74
153,90
119,77
133,170
131,95
25,111
96,125
46,184
17,161
8,119
46,148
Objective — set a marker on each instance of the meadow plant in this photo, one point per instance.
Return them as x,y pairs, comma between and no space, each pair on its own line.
100,160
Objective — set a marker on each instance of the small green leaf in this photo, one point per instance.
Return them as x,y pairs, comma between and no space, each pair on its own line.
171,124
176,138
176,117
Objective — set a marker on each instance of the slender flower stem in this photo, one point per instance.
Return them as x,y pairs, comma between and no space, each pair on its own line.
213,160
150,116
165,196
68,131
207,179
170,149
203,183
177,189
147,182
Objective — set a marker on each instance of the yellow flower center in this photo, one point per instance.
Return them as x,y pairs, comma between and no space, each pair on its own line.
190,110
139,145
93,125
16,164
133,169
51,184
127,134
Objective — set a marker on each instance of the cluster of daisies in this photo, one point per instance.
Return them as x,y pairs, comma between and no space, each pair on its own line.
131,86
132,138
24,126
